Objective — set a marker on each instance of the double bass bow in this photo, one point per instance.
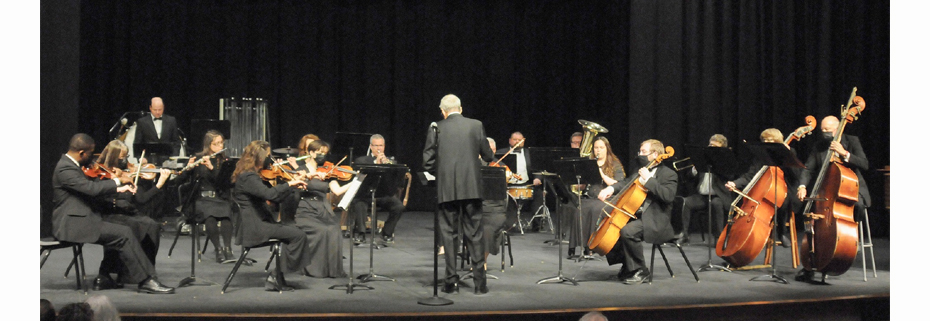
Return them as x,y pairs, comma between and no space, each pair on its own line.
832,234
749,225
627,202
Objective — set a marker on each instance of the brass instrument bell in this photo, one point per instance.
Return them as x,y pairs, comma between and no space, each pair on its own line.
591,129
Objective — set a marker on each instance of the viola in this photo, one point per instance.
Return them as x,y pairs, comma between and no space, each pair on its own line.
832,232
508,174
626,203
749,225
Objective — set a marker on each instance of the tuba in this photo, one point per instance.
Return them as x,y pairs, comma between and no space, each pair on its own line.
591,129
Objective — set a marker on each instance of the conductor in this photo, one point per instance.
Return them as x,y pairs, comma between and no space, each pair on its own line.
449,154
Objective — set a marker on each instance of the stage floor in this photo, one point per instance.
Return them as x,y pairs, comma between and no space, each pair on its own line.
516,293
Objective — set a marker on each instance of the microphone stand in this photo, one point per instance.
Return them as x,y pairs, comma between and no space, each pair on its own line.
435,300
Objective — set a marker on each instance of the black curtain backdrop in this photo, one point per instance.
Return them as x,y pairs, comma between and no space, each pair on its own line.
677,71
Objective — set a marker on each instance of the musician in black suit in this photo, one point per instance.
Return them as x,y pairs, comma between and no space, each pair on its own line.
449,154
360,208
707,184
76,215
654,216
156,127
851,155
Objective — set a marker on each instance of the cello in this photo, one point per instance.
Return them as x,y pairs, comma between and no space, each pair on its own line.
749,225
628,201
832,234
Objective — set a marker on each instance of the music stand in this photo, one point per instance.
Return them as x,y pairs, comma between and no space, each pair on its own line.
541,159
350,144
158,152
349,195
494,188
381,181
719,161
579,170
778,155
200,127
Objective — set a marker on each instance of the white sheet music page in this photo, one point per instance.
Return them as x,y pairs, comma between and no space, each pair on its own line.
350,193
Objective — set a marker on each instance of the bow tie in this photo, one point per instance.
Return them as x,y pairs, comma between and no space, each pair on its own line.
156,118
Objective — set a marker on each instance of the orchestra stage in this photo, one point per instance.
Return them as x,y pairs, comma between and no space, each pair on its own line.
515,295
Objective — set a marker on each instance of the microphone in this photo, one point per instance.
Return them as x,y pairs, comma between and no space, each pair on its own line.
434,126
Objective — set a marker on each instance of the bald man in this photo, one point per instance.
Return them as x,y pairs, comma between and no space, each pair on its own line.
156,127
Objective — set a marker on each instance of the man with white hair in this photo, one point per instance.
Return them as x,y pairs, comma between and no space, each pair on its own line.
449,154
360,208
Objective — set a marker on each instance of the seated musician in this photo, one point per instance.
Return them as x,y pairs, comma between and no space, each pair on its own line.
316,218
122,208
256,222
76,216
360,209
773,135
211,206
653,217
708,184
521,172
288,207
494,214
612,173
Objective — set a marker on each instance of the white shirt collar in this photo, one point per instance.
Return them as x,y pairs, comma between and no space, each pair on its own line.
73,160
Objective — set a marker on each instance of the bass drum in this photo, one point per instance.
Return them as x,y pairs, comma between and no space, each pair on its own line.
129,137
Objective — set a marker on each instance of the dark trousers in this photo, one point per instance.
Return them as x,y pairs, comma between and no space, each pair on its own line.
463,217
119,238
697,202
629,248
361,209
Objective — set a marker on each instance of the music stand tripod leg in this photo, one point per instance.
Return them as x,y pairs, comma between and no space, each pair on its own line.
710,234
774,277
371,276
350,287
558,278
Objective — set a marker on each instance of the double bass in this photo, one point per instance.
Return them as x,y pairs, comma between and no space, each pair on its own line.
749,225
832,235
626,203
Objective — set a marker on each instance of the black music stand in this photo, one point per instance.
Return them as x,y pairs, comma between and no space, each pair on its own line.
578,170
157,152
719,161
541,159
200,127
350,287
774,154
349,144
381,181
494,188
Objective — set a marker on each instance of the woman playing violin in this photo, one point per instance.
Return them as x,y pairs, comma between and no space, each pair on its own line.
257,222
123,208
316,218
611,171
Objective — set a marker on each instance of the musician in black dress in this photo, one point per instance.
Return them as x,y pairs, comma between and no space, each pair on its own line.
212,205
122,208
316,218
654,215
612,172
256,222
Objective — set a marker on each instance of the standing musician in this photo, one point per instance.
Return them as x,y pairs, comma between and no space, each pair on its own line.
212,206
612,172
158,127
359,210
76,216
773,135
654,216
850,154
720,197
122,208
256,222
449,154
315,216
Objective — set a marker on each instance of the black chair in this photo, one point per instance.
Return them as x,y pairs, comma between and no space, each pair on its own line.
652,262
185,194
505,242
49,244
273,244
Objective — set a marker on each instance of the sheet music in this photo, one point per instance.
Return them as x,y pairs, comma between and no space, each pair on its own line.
350,193
429,177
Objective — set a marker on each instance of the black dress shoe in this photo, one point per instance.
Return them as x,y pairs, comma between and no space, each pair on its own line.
624,274
571,253
359,239
450,287
785,241
681,238
219,255
638,277
275,283
105,282
483,289
387,238
804,276
228,254
151,285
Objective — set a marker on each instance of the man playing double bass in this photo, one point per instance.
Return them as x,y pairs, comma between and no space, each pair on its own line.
653,223
850,154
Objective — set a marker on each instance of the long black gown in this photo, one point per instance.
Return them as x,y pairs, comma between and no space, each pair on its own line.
315,217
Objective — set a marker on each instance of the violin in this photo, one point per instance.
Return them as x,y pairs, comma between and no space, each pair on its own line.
626,203
335,171
750,224
278,171
832,232
510,175
97,171
146,171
